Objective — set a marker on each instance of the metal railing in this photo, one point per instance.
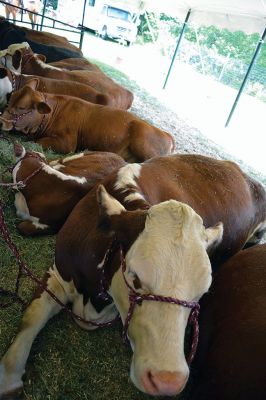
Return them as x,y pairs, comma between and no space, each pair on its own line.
79,30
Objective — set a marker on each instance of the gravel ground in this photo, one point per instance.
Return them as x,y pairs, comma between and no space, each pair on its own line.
188,139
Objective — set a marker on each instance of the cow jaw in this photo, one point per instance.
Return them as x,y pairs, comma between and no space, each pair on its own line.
168,258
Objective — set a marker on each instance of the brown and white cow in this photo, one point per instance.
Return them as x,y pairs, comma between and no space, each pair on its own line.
21,59
12,81
164,213
67,124
55,187
232,349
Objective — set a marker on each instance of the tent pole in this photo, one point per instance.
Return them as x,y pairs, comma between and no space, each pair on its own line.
43,12
177,47
82,25
260,42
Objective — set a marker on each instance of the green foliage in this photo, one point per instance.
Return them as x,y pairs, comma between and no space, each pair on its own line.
217,46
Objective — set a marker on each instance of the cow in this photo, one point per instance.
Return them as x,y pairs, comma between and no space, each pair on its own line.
144,234
232,352
54,47
67,124
11,81
21,59
55,186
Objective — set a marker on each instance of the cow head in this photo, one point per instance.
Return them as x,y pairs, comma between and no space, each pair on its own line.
5,87
165,254
26,110
12,56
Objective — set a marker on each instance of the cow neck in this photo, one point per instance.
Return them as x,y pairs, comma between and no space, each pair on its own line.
47,119
44,122
26,59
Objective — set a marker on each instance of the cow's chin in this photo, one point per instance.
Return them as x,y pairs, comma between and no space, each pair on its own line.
151,380
27,130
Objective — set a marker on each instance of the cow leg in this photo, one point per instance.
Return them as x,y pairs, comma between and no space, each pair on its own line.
41,309
60,145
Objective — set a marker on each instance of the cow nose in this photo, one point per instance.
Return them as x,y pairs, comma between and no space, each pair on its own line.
163,383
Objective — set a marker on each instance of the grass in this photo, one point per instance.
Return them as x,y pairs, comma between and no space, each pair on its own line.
66,363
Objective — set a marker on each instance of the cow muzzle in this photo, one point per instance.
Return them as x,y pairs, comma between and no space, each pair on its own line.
163,383
5,124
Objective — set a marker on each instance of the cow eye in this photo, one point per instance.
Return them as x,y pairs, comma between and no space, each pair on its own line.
136,282
21,108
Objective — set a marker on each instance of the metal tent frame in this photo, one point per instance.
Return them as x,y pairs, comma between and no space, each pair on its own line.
243,84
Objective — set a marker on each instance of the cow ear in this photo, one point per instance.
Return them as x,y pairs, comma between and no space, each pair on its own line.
16,59
33,83
108,205
214,235
41,57
43,108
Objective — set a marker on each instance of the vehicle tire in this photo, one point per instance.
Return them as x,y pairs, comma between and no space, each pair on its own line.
103,33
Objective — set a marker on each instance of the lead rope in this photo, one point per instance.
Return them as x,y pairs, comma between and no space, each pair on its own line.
23,267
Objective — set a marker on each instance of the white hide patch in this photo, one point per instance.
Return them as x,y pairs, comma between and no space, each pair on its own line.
13,47
86,311
126,179
17,46
51,171
58,166
44,65
5,88
74,157
54,162
111,205
23,211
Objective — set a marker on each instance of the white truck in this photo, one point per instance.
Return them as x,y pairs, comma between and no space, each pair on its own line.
117,20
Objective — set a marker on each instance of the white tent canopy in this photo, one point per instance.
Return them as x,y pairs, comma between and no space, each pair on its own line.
246,15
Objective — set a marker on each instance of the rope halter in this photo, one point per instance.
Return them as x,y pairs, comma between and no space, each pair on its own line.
137,298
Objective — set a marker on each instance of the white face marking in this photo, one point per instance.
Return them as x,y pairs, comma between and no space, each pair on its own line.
63,177
5,88
23,211
169,258
74,157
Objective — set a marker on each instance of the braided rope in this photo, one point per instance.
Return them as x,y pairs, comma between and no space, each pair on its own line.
23,267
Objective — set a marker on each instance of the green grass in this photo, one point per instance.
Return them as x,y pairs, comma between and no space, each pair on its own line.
66,363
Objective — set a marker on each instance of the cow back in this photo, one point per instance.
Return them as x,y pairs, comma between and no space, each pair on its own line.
232,351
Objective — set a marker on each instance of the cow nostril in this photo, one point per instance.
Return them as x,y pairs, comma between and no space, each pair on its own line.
163,383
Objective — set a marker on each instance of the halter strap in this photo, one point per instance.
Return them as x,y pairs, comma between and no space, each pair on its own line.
137,298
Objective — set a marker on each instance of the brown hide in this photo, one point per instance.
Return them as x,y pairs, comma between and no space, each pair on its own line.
232,349
67,124
57,86
217,190
50,198
118,96
75,64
